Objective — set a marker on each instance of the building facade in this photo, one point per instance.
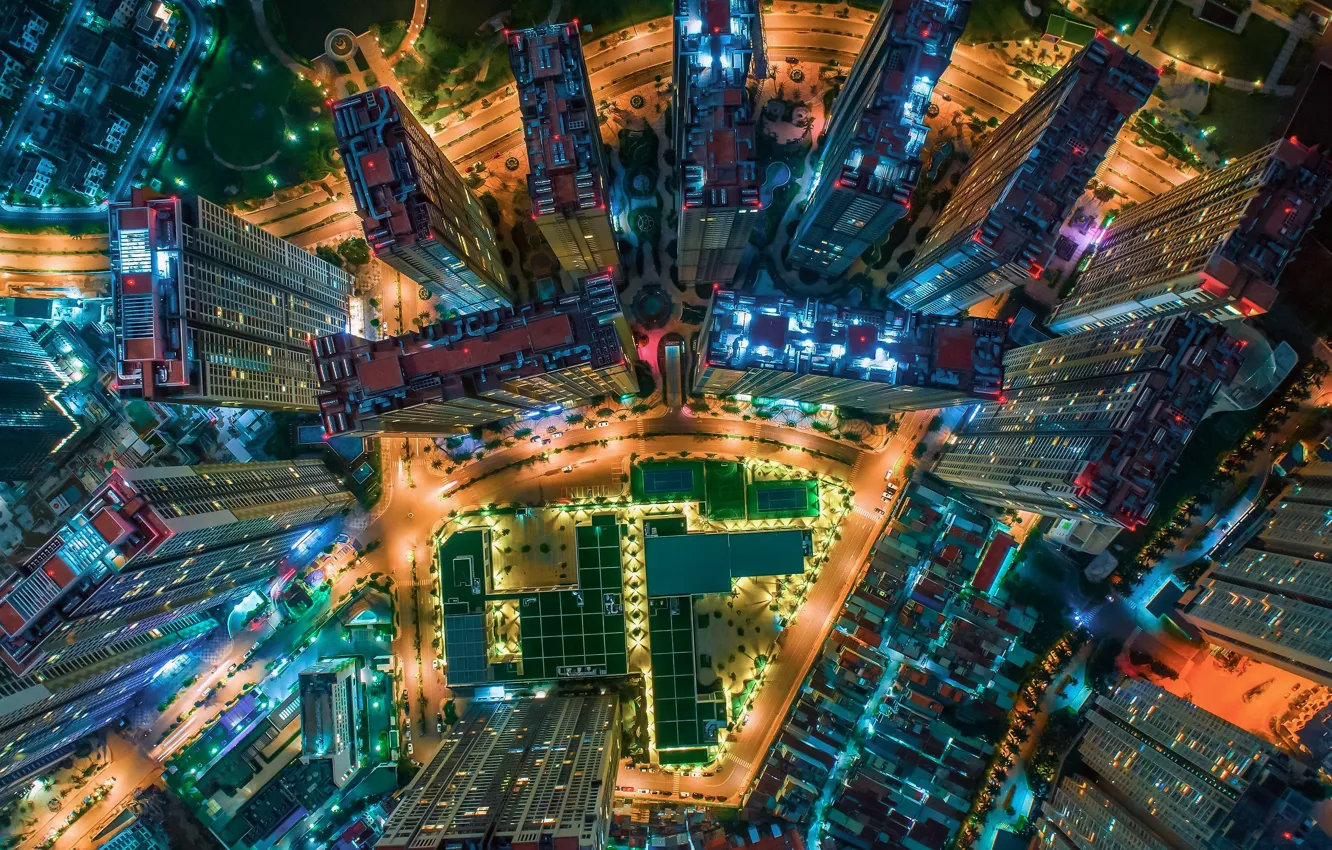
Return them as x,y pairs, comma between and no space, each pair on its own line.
1155,771
871,155
156,544
1089,424
718,43
210,309
562,749
1297,521
567,174
1000,227
330,716
35,422
803,351
417,213
1215,245
1276,608
467,371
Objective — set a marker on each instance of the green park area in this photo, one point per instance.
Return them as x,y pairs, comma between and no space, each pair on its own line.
1248,56
999,20
306,23
1240,121
1123,14
250,125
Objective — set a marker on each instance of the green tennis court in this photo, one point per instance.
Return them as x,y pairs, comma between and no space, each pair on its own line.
782,499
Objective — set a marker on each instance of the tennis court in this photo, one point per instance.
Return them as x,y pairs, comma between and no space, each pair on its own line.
667,481
782,499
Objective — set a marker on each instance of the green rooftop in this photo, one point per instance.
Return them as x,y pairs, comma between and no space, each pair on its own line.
691,564
1066,29
685,718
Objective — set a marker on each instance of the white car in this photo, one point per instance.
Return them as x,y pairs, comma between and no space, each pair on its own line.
557,435
567,468
602,424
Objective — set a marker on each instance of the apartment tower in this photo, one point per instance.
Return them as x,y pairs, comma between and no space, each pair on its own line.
803,351
1090,424
1154,771
717,44
561,749
210,309
1215,245
470,370
871,155
1000,227
134,576
417,213
35,423
567,171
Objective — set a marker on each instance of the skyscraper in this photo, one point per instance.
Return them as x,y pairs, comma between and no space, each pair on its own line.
871,156
35,424
1155,771
804,351
418,215
470,370
331,715
1000,227
134,578
1297,523
153,545
1276,608
566,160
716,172
539,773
213,310
1215,245
1090,424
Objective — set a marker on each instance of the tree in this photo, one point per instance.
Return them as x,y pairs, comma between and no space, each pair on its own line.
329,255
355,251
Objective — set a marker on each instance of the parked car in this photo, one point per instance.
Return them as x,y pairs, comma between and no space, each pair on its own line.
536,439
568,468
879,511
439,723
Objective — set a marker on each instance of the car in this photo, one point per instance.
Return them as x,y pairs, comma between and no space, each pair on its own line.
946,95
709,773
404,695
644,791
410,749
495,155
537,440
557,435
834,63
590,426
407,734
794,60
602,424
553,431
685,795
439,723
652,770
662,793
545,442
568,468
879,511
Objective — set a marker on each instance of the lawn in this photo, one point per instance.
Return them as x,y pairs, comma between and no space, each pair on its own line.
1121,13
1248,56
250,126
307,22
999,20
1244,121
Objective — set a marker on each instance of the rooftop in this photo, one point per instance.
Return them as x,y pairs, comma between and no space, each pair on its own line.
897,348
559,126
716,40
688,564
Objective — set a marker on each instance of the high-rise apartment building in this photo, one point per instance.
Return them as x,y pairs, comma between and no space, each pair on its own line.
717,42
567,174
1276,608
331,716
1297,522
1091,423
470,370
35,424
871,155
809,352
1000,227
43,714
153,545
213,310
418,215
1155,771
538,773
1215,245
